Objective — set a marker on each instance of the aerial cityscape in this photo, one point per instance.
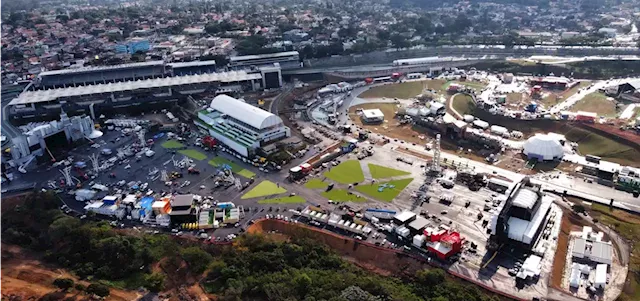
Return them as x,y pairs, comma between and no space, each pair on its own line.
320,150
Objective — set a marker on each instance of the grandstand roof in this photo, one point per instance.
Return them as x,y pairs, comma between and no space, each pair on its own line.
635,83
262,56
100,68
37,96
191,64
244,112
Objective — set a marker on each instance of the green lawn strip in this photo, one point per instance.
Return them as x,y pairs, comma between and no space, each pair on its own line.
193,154
341,195
246,173
347,172
284,200
404,90
217,161
172,144
265,188
387,194
316,184
463,104
379,172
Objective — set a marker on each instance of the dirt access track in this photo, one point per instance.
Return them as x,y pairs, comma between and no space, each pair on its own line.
24,275
368,256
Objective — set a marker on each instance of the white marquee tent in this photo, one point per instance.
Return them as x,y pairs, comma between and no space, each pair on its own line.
543,147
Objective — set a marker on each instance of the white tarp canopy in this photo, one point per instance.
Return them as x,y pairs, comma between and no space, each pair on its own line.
543,147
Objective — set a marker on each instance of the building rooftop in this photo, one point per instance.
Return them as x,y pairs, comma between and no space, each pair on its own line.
101,68
244,112
182,200
38,96
525,198
404,216
419,223
192,64
525,231
262,56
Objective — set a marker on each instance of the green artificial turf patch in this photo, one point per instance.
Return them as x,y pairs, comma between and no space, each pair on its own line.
265,188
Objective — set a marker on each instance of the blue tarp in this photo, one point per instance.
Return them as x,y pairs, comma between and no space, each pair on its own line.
146,203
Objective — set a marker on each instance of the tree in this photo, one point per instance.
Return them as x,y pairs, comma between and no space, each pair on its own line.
154,282
430,277
578,209
63,283
302,283
62,18
383,35
399,41
196,258
98,289
221,60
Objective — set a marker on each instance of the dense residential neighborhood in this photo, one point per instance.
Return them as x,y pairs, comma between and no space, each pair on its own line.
57,35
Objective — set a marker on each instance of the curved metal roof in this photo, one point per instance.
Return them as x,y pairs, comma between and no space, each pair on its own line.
244,112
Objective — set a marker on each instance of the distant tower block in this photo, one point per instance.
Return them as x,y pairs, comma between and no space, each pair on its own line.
435,165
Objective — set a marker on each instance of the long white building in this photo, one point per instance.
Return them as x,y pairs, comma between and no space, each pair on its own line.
241,126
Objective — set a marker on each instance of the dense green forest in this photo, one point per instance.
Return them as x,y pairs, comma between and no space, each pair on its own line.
254,268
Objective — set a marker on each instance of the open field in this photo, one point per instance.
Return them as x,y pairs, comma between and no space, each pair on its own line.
347,172
341,195
380,172
172,144
316,184
284,200
471,84
387,194
555,97
594,144
404,90
193,154
463,104
628,226
388,109
217,161
517,99
597,103
265,188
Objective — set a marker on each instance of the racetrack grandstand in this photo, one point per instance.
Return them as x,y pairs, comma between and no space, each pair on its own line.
102,74
92,98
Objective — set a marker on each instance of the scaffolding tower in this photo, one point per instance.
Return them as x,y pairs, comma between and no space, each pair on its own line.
434,167
95,163
66,173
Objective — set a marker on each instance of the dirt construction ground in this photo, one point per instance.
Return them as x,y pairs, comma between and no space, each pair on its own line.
24,275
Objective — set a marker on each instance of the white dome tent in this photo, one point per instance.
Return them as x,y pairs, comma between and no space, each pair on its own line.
543,147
